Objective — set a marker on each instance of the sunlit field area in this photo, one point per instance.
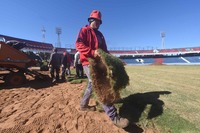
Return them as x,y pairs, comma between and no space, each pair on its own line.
163,97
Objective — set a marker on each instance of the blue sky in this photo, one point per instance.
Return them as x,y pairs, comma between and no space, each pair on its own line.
127,24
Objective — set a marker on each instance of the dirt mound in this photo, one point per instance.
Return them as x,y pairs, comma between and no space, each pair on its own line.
45,108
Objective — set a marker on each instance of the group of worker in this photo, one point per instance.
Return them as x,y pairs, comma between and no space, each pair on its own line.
64,62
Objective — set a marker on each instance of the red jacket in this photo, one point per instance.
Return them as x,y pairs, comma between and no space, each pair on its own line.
87,43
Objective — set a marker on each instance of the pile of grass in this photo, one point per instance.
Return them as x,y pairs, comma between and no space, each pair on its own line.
108,77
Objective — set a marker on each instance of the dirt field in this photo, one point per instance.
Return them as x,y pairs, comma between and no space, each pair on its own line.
43,107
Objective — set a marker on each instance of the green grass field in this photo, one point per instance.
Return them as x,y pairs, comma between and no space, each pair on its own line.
163,97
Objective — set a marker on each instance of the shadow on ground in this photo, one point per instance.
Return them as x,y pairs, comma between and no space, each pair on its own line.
35,84
134,105
42,83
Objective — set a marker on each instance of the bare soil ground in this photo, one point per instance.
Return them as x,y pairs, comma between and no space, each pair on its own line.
43,107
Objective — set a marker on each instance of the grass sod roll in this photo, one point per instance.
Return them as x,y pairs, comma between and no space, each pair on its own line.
108,77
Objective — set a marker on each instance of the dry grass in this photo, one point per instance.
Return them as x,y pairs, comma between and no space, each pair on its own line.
108,77
174,88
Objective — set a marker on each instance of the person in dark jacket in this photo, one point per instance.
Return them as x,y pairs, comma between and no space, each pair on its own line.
54,63
69,61
88,41
64,65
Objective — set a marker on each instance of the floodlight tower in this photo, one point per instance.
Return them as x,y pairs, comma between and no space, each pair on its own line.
58,32
162,34
43,34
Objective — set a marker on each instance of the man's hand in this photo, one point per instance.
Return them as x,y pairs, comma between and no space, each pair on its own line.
96,54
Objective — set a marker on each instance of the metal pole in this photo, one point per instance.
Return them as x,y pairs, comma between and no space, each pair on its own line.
163,36
58,32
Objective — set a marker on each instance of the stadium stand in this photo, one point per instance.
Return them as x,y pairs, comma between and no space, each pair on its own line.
31,45
189,55
193,59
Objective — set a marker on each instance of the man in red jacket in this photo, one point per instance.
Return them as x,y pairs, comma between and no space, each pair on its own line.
88,41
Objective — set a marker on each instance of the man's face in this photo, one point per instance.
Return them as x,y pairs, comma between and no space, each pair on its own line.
95,24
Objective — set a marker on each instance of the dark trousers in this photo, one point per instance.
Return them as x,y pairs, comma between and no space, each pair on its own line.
52,71
63,74
79,70
68,69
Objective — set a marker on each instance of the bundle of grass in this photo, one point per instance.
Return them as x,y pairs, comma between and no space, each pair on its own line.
108,77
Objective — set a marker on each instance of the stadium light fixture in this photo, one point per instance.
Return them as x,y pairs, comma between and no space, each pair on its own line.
58,32
162,34
43,34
